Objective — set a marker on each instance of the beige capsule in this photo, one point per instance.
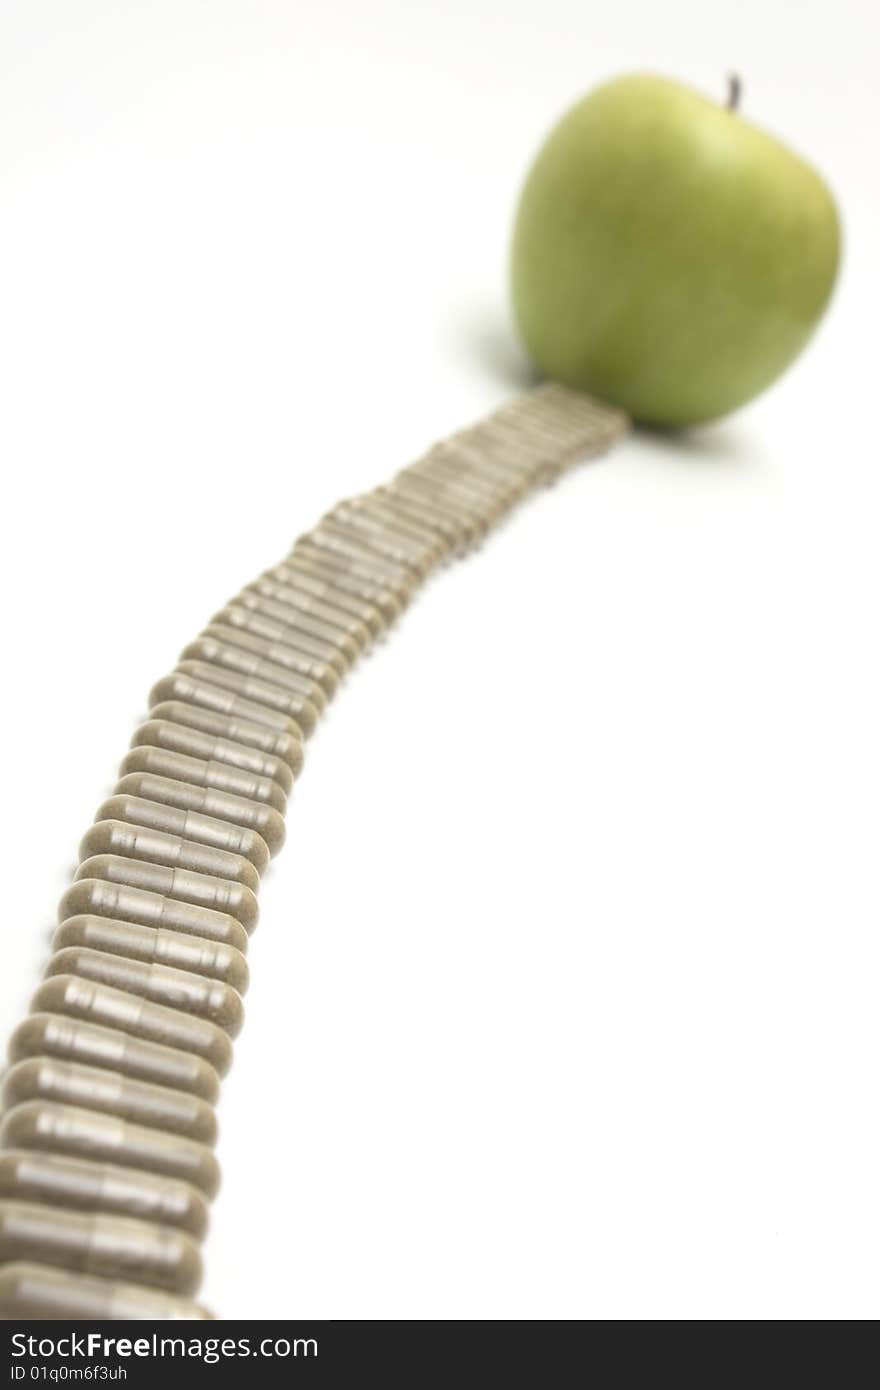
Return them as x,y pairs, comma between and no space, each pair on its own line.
365,601
446,465
179,738
27,1175
290,591
240,811
232,658
288,747
202,890
333,601
95,1088
413,491
316,654
184,686
274,699
451,489
93,1044
114,1247
403,536
269,610
155,945
201,773
271,599
359,583
95,897
115,1008
457,535
39,1293
355,556
187,825
277,653
180,990
380,537
170,851
68,1130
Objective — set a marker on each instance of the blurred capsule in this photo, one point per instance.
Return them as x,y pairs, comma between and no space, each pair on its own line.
354,554
286,746
232,658
178,738
35,1292
93,1044
94,1088
202,890
375,606
65,1129
172,852
181,990
155,945
267,597
187,825
349,519
114,1008
264,820
96,897
197,687
199,773
274,700
290,658
28,1175
245,617
288,590
113,1247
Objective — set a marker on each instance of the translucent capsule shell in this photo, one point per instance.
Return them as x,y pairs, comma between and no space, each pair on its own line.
241,616
80,1184
263,694
114,1247
201,890
68,1130
94,1088
255,816
187,825
171,851
235,658
154,945
35,1292
95,896
95,1044
318,568
193,684
288,747
115,1008
179,738
281,654
199,773
181,990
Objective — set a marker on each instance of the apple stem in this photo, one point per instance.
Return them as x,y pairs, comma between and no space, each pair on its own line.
734,91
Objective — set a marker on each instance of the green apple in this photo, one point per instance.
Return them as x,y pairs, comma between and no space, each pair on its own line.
667,256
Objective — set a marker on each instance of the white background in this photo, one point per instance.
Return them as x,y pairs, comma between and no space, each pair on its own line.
564,996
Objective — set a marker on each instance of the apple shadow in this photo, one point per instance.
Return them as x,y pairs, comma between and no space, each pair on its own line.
490,340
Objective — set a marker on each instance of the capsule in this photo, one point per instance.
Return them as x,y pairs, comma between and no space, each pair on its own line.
187,825
280,653
232,658
205,801
334,603
202,890
452,494
274,699
275,605
92,1044
458,476
315,567
289,591
348,519
27,1175
456,535
247,618
288,747
65,1129
199,773
94,1088
178,738
156,946
39,1293
180,990
405,535
413,492
114,1247
96,898
356,556
198,687
154,847
114,1008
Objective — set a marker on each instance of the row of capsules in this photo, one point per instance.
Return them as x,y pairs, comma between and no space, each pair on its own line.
106,1141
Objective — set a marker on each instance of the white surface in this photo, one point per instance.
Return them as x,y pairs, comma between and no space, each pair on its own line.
564,997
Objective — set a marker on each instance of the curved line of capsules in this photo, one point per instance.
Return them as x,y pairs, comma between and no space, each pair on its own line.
106,1140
